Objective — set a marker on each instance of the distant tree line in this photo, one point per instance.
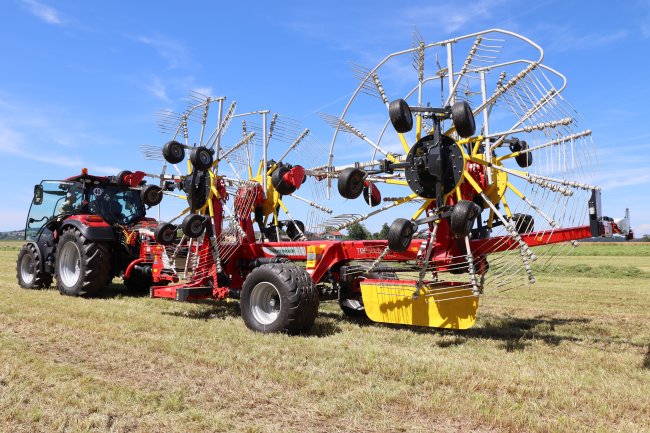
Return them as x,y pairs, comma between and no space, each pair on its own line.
359,232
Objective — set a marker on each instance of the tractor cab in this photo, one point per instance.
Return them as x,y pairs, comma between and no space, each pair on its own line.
52,198
88,195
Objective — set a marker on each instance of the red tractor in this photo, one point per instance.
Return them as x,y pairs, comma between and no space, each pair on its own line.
87,229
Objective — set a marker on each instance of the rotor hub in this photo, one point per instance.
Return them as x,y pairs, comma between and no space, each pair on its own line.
434,162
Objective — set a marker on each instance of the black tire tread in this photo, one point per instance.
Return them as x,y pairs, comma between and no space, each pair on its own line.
461,114
42,280
302,296
463,212
95,263
396,235
345,186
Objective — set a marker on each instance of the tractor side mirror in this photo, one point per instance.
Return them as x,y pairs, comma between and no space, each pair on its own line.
38,194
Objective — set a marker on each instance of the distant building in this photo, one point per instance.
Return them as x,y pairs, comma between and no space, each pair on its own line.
333,236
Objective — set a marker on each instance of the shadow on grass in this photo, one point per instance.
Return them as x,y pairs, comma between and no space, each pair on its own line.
646,359
323,329
116,290
209,310
513,333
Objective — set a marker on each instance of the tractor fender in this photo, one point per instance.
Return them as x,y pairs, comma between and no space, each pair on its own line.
91,232
41,260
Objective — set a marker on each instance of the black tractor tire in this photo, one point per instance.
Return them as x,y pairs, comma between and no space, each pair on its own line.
400,234
193,225
151,195
277,180
292,229
463,118
524,223
27,269
279,297
120,181
525,159
353,306
165,234
400,116
201,158
351,182
462,217
82,267
173,152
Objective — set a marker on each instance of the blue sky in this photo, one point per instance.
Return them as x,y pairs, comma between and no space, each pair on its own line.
81,82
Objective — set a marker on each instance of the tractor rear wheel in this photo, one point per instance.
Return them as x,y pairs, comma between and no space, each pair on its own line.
82,266
27,269
279,297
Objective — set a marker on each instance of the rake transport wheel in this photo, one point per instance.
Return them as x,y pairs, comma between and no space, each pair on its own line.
82,266
279,297
27,269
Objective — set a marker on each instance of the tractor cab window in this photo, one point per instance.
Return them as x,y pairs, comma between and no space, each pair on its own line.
115,205
52,198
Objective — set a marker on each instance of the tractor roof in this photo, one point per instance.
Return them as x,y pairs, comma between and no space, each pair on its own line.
86,176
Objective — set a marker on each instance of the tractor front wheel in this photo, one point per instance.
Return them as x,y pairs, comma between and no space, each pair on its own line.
279,297
27,269
82,266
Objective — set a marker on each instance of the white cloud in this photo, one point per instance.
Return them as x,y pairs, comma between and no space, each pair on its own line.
449,16
565,38
173,52
157,88
14,143
45,13
205,91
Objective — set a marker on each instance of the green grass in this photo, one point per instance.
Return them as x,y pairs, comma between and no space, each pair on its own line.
571,353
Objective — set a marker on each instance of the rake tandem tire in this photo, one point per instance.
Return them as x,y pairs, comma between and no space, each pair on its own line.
463,118
400,235
279,297
173,152
27,269
462,218
350,183
292,229
82,266
400,116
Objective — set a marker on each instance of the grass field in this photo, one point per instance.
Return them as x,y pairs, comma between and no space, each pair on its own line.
571,353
